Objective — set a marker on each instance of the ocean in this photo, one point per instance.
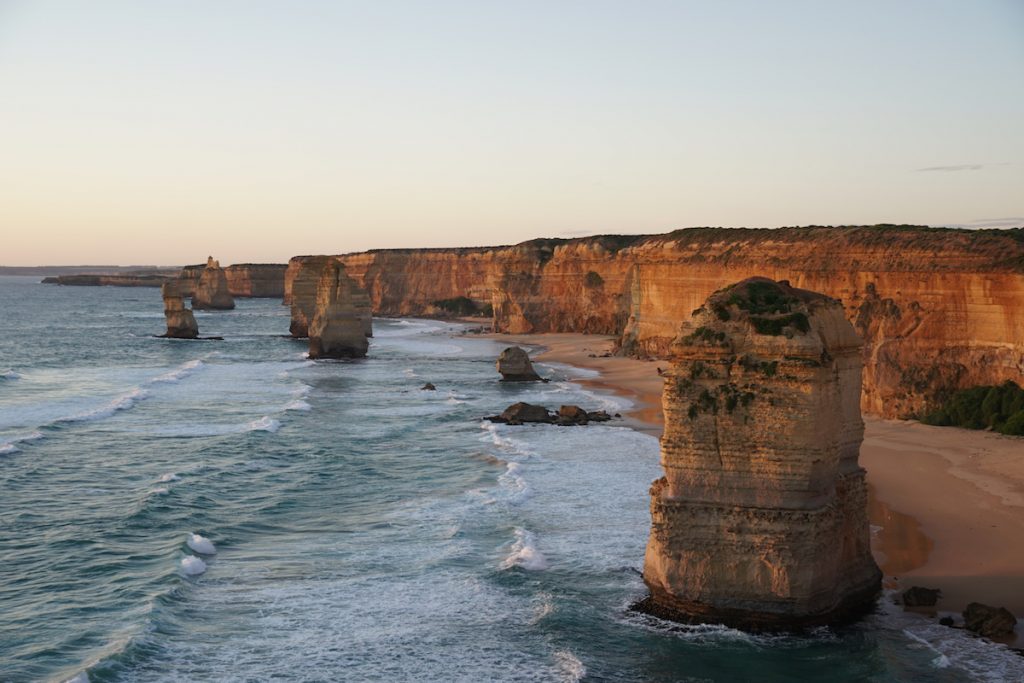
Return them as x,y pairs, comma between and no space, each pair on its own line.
364,529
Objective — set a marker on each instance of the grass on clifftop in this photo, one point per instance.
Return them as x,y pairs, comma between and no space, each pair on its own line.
998,408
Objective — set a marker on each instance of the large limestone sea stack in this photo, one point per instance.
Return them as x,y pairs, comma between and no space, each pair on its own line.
303,297
181,324
760,521
338,328
211,292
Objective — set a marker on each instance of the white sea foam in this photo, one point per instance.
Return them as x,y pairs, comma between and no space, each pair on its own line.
179,373
123,402
192,566
513,482
298,404
569,666
10,374
82,677
264,424
10,446
169,476
201,544
524,553
159,491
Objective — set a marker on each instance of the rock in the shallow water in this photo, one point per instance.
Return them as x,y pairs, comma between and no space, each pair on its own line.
988,621
946,621
211,292
571,415
337,329
917,596
428,387
515,366
600,416
181,324
760,521
518,413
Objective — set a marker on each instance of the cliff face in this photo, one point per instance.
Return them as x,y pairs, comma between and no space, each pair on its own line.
211,291
247,280
338,328
938,309
761,519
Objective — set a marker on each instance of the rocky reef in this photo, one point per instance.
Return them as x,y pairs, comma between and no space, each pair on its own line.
211,291
515,366
181,324
939,309
760,521
338,325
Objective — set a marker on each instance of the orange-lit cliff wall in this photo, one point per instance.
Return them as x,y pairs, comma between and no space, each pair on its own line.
938,309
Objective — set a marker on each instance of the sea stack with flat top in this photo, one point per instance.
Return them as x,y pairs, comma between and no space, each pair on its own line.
181,324
338,328
760,521
211,292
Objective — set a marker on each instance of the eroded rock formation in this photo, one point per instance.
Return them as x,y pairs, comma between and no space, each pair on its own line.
939,309
245,280
181,324
211,292
338,328
515,366
301,293
760,520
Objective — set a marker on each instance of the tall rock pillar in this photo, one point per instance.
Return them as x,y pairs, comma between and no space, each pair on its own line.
339,325
181,324
211,292
760,521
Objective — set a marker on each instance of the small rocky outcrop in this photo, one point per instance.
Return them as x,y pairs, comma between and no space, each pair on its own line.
211,292
567,416
428,387
338,328
515,366
988,621
760,521
181,324
917,596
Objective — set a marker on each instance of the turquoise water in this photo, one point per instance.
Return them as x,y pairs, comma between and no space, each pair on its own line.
365,530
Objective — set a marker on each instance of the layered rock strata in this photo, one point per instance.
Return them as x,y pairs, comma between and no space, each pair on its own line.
515,366
181,324
337,328
211,292
302,295
939,309
760,521
245,280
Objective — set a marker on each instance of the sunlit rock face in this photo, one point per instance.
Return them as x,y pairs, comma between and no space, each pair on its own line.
211,292
181,324
301,291
760,521
338,327
245,280
939,310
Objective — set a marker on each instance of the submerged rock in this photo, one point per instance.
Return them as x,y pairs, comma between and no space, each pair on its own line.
211,292
916,596
988,621
181,324
760,521
515,366
337,329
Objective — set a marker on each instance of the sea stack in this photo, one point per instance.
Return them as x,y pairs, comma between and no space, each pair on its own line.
181,324
515,366
211,292
760,521
303,297
338,328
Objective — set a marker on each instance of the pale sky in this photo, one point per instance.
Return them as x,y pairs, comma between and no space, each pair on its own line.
160,132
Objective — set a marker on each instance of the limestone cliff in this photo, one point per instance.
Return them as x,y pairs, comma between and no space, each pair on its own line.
181,324
211,291
761,519
338,326
939,309
245,280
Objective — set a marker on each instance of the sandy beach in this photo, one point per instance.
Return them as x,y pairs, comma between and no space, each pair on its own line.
946,504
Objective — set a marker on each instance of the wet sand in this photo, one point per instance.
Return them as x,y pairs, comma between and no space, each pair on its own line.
946,505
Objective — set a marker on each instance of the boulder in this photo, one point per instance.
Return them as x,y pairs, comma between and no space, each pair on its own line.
428,387
181,324
600,416
211,292
515,366
519,413
337,329
988,621
916,596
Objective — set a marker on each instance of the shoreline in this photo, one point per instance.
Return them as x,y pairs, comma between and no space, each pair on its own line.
946,505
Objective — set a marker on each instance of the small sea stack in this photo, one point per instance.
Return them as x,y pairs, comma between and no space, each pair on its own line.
515,366
760,521
338,328
181,324
211,292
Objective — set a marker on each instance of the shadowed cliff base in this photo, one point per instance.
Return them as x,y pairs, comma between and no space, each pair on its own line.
938,308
